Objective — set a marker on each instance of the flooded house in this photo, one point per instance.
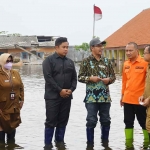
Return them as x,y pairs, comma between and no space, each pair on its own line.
27,48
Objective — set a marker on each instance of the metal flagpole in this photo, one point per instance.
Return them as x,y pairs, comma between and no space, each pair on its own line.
93,22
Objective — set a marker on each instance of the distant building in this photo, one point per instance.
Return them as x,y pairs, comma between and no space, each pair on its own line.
27,48
136,30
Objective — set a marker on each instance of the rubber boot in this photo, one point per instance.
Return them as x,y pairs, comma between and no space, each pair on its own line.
90,147
149,142
11,137
11,140
59,137
105,137
146,139
90,138
90,135
129,138
105,133
59,134
48,138
2,139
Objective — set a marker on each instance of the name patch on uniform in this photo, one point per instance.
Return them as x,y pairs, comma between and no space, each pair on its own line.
127,67
139,67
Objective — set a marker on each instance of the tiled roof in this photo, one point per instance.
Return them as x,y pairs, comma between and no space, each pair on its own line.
136,30
10,41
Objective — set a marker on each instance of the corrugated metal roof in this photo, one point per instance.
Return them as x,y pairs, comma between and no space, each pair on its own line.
9,42
24,41
47,44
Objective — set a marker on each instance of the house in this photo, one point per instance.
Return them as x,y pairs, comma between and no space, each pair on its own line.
27,48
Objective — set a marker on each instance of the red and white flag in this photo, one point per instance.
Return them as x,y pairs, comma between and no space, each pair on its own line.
97,13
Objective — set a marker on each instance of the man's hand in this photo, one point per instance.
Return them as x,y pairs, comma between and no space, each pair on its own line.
69,92
141,98
95,79
64,93
121,103
146,102
105,80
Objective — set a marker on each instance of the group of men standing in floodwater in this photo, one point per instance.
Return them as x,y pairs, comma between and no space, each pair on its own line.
61,78
97,73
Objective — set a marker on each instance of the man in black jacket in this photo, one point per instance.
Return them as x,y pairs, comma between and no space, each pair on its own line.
60,81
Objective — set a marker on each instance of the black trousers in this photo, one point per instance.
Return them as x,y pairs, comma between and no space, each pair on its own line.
57,112
130,110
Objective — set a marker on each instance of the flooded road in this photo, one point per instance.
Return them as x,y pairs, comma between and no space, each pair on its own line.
30,134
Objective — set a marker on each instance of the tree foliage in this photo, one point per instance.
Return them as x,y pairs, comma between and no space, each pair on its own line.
10,34
83,46
3,32
96,37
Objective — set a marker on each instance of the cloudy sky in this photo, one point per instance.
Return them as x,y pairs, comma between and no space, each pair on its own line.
70,18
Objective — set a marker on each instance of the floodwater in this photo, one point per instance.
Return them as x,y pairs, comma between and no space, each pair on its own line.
30,134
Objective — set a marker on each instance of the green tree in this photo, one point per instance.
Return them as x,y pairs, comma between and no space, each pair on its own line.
83,47
96,37
10,34
3,32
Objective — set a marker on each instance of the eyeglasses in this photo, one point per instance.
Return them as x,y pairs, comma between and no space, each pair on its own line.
7,61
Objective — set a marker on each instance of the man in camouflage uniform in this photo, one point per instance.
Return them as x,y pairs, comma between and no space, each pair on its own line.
97,72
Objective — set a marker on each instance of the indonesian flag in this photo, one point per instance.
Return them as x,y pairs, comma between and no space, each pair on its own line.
97,13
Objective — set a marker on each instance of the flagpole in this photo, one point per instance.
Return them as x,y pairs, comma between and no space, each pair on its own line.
93,22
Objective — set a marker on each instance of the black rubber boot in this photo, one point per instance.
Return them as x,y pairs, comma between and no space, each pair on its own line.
2,139
11,137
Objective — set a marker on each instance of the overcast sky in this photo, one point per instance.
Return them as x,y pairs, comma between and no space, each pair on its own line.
70,18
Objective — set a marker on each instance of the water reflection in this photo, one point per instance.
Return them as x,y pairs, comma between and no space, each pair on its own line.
30,134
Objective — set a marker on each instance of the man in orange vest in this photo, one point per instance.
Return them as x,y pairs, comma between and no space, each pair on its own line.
133,82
